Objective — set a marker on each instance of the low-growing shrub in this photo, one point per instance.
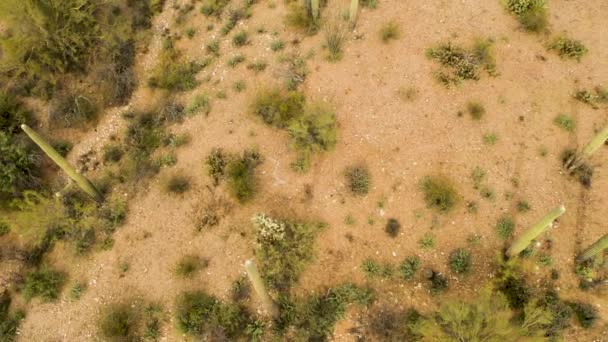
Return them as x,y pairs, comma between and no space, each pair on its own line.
118,323
45,283
241,38
19,165
299,16
69,110
409,266
112,154
437,282
178,184
214,7
277,45
531,14
172,73
567,47
427,241
12,114
389,31
235,60
460,64
334,40
476,110
241,177
189,265
9,322
565,122
257,66
505,227
392,227
200,104
216,162
278,108
460,260
439,193
585,313
77,290
358,180
374,269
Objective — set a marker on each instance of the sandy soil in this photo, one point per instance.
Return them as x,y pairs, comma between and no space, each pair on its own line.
400,142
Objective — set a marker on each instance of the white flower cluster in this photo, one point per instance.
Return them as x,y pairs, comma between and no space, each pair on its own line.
268,228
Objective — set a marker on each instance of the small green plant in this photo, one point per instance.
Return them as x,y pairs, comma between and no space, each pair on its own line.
460,64
437,281
239,86
214,7
300,16
241,177
531,14
439,193
476,110
349,220
567,47
118,323
490,138
236,60
200,104
409,266
334,40
277,45
523,206
585,96
585,313
478,175
4,228
178,184
216,162
190,32
565,122
112,154
45,283
505,227
358,180
213,47
407,94
460,260
374,269
189,265
241,38
172,73
392,227
427,241
257,66
389,31
372,4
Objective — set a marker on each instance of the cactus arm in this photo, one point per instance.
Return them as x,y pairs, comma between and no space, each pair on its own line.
354,8
314,4
260,289
597,247
79,179
524,240
595,143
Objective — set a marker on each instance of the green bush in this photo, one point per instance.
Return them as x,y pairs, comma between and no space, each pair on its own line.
460,64
4,228
200,314
235,60
12,114
565,122
409,266
439,193
374,269
532,14
119,323
240,38
257,66
178,184
19,166
315,130
216,162
112,154
200,104
389,31
460,260
567,47
358,180
172,73
241,176
45,283
69,110
505,227
392,227
585,313
9,322
299,16
476,110
214,7
334,40
189,265
278,108
277,45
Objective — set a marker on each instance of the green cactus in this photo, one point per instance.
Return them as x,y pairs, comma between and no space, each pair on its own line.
354,8
598,246
526,238
314,4
260,289
79,179
577,159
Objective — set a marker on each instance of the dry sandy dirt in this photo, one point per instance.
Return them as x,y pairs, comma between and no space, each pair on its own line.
399,141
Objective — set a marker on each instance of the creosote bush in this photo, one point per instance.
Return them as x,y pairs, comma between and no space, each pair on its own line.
460,64
439,193
460,260
45,283
531,14
569,48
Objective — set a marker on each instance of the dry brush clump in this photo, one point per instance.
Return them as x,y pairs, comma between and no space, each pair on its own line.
459,64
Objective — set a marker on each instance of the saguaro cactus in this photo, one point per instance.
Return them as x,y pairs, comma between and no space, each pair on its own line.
524,240
354,8
260,289
79,179
578,158
598,246
314,7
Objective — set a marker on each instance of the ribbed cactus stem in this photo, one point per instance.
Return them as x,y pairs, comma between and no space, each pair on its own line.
354,8
597,247
533,232
260,289
79,179
314,4
578,158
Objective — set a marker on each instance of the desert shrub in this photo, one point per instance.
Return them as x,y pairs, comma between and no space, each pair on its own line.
515,290
567,47
299,16
565,122
315,130
278,108
409,266
257,66
490,138
389,31
173,73
69,110
392,227
77,290
375,269
369,3
277,45
63,147
118,322
284,249
358,180
178,184
460,64
460,260
240,38
216,163
172,112
531,14
241,289
200,104
144,135
505,227
439,193
241,177
112,154
19,165
334,40
427,241
189,265
583,173
592,99
393,325
523,206
476,110
45,283
12,114
560,312
214,7
235,60
239,86
200,314
4,228
585,313
9,322
437,282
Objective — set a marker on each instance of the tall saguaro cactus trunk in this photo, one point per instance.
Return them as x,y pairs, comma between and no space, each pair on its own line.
579,158
354,8
79,179
260,289
533,232
314,6
598,246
